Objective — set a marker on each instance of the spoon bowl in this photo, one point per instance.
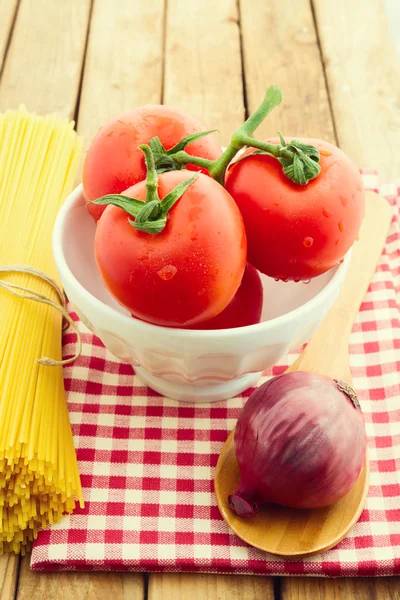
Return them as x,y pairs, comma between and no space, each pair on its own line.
287,531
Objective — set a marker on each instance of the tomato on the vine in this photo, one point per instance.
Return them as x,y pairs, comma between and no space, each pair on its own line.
296,232
186,272
113,161
244,309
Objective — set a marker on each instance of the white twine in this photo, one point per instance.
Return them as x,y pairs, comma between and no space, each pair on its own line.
28,294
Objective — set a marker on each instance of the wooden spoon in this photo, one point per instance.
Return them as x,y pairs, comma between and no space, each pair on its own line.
294,532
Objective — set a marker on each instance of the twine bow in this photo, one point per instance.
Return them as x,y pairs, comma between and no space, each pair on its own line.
28,294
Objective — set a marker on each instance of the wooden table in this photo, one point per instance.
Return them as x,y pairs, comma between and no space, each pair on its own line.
89,60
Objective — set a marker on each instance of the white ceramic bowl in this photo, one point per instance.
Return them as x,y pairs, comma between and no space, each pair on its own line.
192,366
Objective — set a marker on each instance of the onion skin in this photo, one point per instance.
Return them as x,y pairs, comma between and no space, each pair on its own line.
300,442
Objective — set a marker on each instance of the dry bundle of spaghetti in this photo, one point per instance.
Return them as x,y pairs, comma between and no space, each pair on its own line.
39,479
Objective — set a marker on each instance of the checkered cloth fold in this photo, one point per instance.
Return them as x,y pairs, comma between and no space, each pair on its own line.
147,463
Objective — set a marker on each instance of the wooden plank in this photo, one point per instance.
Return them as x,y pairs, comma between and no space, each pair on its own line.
42,70
318,588
123,67
176,586
44,61
78,586
7,15
203,77
280,47
9,565
392,8
203,65
363,73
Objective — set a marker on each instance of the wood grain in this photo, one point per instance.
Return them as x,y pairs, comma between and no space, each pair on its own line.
363,73
280,47
7,13
44,61
203,63
176,586
9,565
78,586
282,530
318,588
123,67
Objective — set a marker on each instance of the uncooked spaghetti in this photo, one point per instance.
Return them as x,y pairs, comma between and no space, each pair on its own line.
39,479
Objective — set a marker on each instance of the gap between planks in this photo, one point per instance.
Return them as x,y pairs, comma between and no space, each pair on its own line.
8,15
51,70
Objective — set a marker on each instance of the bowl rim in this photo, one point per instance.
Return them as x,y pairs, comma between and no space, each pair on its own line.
238,332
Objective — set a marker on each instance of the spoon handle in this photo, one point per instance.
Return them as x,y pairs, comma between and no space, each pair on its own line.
327,352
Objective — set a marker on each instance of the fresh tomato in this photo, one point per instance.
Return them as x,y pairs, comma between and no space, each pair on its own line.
113,162
244,309
297,232
190,271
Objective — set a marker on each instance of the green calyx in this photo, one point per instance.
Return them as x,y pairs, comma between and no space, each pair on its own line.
175,158
299,160
149,216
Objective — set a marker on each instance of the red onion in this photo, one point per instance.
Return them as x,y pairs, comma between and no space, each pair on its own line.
300,441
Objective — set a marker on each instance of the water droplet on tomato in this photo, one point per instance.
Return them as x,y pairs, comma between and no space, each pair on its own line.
276,278
327,213
194,235
319,265
109,133
341,261
325,153
341,226
308,242
296,279
283,278
344,200
306,281
337,241
167,272
276,203
292,261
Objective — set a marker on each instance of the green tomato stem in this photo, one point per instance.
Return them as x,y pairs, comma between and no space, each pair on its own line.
241,136
183,158
151,177
239,140
276,150
299,160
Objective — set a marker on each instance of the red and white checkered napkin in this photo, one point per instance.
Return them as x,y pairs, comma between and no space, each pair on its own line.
147,463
